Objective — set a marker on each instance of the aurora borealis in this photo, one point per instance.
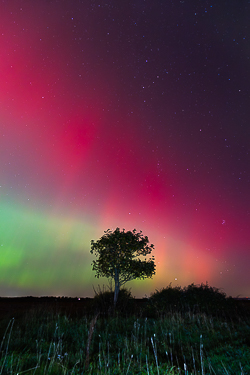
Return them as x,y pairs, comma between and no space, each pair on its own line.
124,114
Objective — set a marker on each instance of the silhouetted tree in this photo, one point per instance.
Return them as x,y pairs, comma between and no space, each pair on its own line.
119,255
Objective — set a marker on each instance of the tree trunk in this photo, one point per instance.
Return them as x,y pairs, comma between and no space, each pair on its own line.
117,287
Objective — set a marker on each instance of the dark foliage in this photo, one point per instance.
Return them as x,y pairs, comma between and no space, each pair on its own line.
119,257
103,302
196,298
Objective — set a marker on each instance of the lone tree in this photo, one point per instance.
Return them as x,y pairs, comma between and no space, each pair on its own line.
117,252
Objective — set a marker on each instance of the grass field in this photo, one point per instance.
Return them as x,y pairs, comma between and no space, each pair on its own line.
130,340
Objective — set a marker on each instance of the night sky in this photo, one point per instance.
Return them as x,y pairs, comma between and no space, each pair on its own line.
129,114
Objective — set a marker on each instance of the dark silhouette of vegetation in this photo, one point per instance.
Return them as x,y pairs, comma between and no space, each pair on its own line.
197,298
103,301
119,257
48,341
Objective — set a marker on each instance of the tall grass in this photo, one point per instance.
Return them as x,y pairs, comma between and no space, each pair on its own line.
170,342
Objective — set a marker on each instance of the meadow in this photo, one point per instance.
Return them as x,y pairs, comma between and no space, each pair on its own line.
195,330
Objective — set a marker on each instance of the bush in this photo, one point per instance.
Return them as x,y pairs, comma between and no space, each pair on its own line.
197,298
104,301
205,298
166,299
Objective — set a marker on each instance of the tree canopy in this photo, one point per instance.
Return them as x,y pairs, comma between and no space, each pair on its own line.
119,257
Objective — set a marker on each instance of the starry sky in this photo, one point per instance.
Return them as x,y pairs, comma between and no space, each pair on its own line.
129,114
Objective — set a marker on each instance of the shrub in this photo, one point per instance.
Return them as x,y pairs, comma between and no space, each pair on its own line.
204,298
197,298
104,301
166,299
